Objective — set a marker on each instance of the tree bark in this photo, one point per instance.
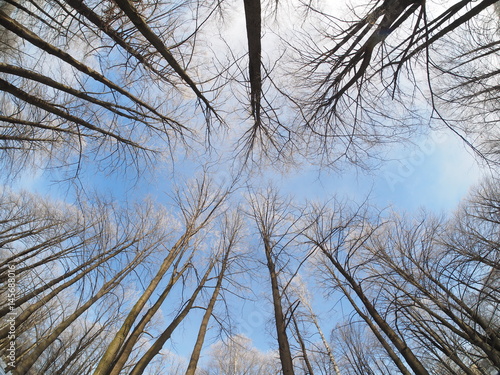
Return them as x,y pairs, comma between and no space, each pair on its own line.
280,323
165,335
200,339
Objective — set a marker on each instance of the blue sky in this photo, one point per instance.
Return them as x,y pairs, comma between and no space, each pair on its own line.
435,174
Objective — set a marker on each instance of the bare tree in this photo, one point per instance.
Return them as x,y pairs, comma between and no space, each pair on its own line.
119,83
63,270
90,255
231,236
321,354
425,287
78,108
439,290
237,356
356,64
275,225
198,207
338,236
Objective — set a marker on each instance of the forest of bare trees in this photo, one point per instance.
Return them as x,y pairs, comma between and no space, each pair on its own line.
211,102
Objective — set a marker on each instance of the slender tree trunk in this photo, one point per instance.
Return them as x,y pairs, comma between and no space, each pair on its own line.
28,358
392,354
165,336
57,280
303,347
400,345
22,317
109,357
325,343
195,356
284,346
197,217
128,346
129,9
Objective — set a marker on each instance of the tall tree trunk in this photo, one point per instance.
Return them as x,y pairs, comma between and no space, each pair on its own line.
57,280
303,347
197,213
128,346
165,335
200,339
279,318
324,341
113,350
29,357
253,20
400,345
